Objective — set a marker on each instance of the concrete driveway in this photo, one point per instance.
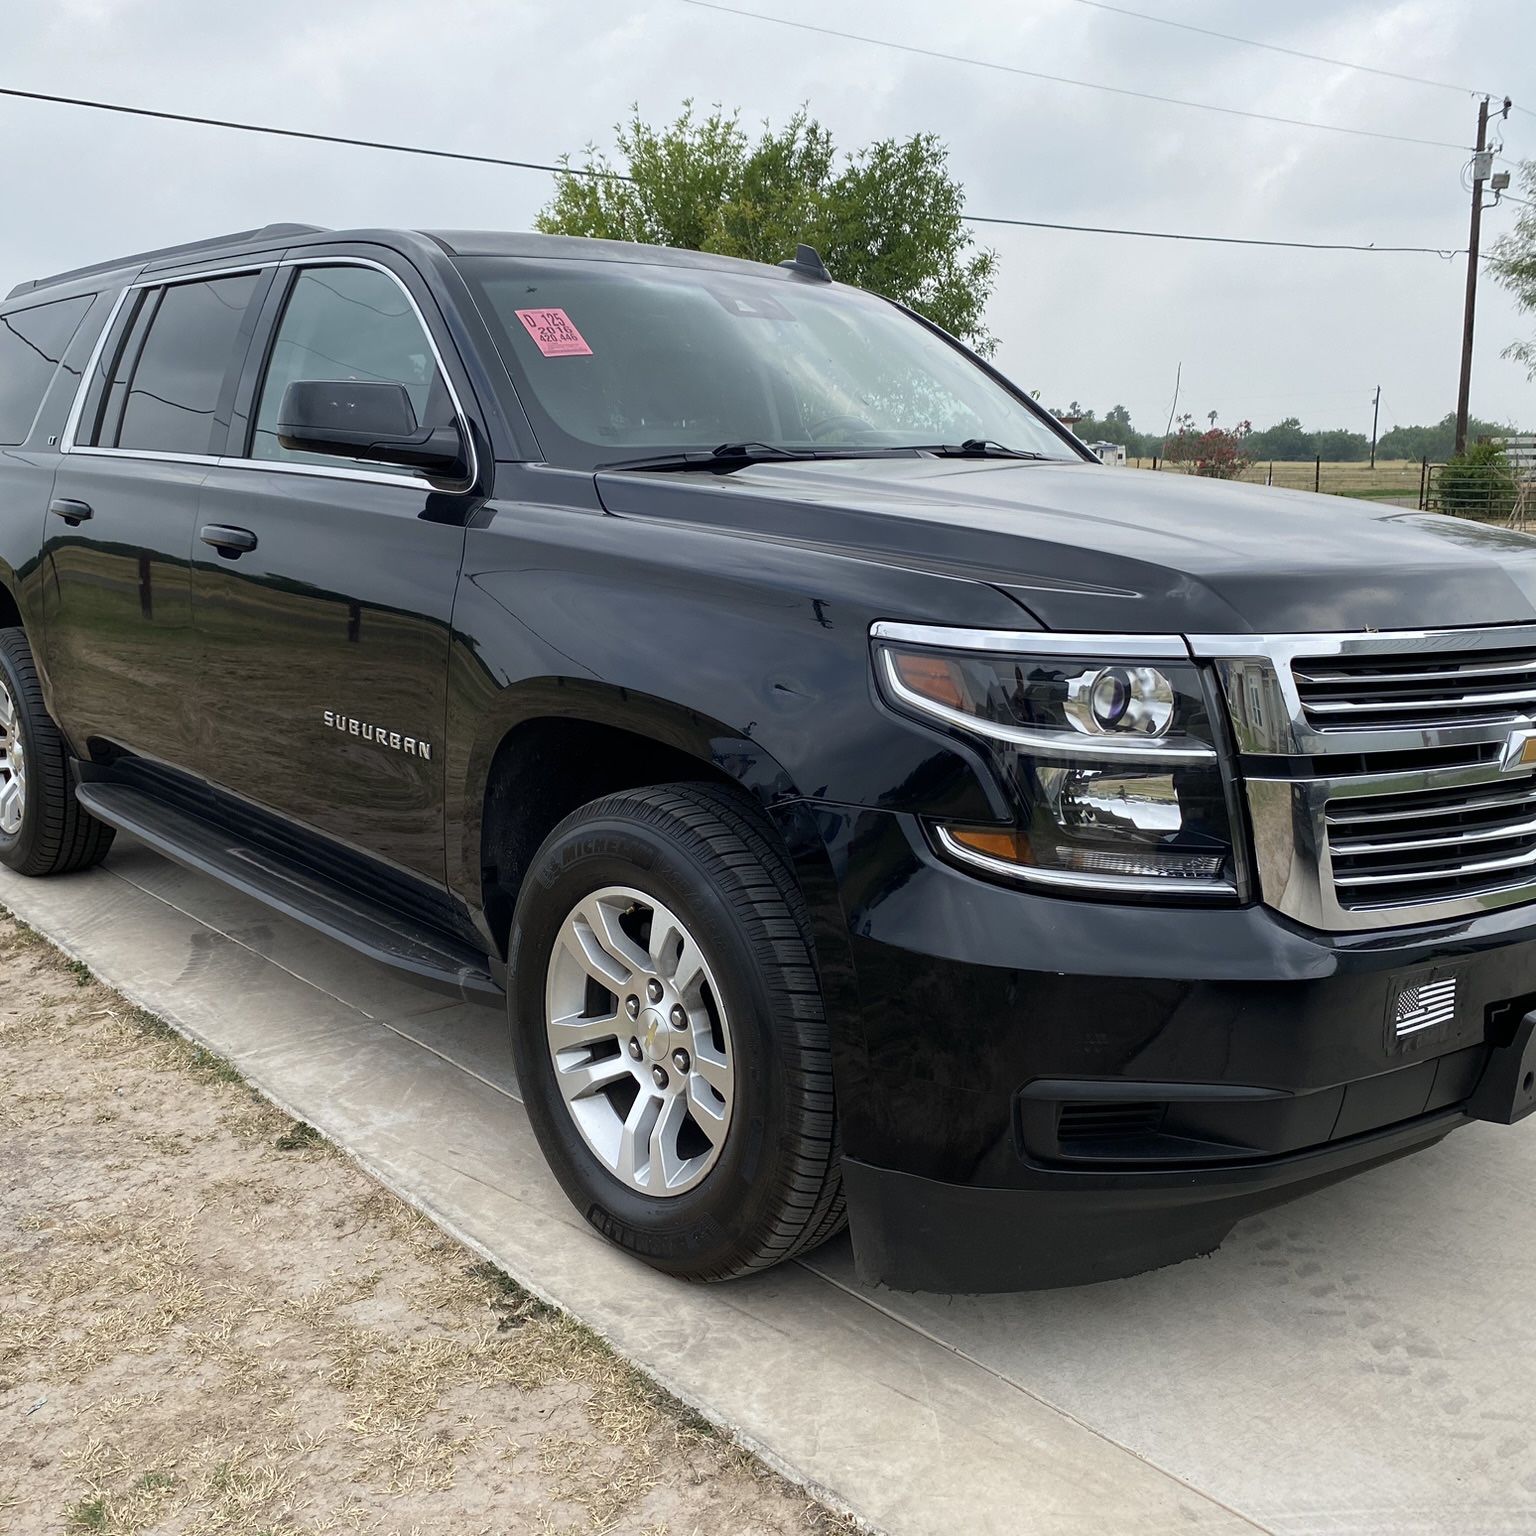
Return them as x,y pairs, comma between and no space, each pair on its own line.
1362,1361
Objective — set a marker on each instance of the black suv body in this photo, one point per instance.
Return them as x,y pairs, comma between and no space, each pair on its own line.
868,802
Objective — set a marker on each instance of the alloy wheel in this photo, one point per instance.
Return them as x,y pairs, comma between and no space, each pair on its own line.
640,1041
13,765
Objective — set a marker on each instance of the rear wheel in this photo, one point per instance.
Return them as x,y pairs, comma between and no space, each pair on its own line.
43,829
669,1033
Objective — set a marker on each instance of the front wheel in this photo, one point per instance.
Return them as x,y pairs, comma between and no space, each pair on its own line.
669,1033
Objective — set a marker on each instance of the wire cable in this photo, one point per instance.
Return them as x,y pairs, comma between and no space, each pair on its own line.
571,170
296,133
1295,53
1088,85
1160,234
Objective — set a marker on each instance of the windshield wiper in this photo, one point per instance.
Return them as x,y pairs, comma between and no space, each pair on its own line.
729,457
721,460
979,448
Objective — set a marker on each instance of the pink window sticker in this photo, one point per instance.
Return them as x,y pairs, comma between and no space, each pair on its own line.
553,334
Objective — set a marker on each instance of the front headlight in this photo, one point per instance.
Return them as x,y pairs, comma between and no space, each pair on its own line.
1106,744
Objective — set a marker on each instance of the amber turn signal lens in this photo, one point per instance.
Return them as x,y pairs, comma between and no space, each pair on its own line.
996,842
932,677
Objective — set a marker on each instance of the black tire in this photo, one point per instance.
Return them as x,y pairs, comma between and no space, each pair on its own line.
776,1189
57,835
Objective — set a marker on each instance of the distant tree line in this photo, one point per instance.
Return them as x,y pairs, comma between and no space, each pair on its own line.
1288,439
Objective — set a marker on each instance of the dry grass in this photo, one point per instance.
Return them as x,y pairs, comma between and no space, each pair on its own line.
212,1323
1389,478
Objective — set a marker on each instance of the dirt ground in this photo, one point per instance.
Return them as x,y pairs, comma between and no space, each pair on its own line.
212,1322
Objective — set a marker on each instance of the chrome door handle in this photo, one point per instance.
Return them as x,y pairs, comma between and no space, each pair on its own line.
230,542
73,512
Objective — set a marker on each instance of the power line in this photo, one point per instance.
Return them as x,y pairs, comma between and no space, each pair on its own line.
295,133
570,170
1088,85
1295,53
1159,234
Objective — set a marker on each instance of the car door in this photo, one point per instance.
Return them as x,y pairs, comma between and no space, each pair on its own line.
323,587
151,420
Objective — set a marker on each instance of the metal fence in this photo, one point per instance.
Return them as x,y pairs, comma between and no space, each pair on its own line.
1407,483
1508,498
1399,480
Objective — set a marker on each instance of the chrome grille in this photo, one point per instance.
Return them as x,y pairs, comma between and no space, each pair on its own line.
1389,777
1351,693
1436,845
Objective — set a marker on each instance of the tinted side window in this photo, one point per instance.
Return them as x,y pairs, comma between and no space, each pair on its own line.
176,380
351,323
32,343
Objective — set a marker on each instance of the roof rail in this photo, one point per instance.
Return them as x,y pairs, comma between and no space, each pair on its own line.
217,242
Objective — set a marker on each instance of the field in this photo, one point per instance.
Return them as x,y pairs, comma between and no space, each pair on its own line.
1389,480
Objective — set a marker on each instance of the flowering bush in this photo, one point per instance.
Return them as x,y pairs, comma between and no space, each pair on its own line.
1216,452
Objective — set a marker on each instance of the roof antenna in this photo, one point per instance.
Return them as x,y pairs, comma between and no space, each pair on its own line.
808,264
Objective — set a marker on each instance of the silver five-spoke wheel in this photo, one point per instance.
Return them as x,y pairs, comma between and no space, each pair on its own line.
640,1041
13,766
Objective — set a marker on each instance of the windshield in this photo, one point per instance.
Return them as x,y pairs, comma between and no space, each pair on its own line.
619,360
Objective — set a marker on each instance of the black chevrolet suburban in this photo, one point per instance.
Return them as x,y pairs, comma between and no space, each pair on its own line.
871,807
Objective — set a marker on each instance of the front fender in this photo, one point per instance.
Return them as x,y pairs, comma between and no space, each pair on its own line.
750,655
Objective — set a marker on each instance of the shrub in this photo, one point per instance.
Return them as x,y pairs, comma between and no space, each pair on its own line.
1218,453
1477,483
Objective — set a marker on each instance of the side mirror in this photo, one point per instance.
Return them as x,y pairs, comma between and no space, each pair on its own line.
365,420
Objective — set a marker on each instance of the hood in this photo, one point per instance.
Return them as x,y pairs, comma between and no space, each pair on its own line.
1084,546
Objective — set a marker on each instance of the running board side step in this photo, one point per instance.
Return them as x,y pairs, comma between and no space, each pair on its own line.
433,958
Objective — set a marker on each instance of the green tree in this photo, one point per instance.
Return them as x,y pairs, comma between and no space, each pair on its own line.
1115,427
1434,443
887,217
1285,440
1513,262
1338,446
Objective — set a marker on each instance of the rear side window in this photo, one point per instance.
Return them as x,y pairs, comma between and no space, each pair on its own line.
170,390
32,344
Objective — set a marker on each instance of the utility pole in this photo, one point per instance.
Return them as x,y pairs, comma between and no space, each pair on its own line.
1482,164
1375,416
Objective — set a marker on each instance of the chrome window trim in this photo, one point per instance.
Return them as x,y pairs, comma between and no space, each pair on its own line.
156,454
77,405
1125,885
67,443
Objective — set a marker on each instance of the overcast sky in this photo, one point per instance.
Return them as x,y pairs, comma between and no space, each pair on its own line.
1099,319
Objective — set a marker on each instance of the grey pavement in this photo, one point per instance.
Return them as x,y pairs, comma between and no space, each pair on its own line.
1361,1361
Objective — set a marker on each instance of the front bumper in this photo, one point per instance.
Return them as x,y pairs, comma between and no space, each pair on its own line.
1261,1059
917,1234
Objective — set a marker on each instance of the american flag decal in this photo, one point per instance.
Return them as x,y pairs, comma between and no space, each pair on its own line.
1423,1006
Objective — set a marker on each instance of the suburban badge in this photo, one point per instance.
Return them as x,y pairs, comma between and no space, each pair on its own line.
349,725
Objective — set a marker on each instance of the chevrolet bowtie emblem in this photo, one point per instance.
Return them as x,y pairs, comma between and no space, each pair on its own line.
1520,750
